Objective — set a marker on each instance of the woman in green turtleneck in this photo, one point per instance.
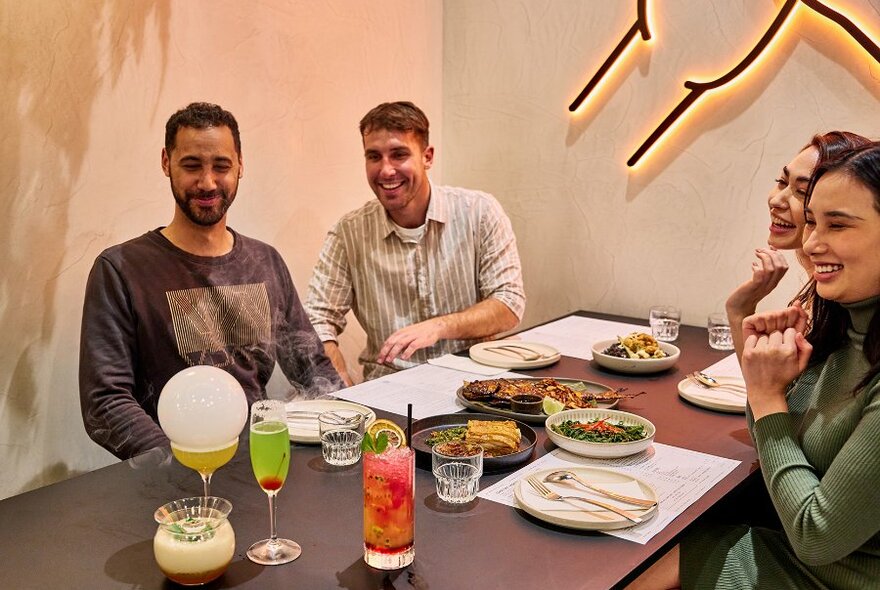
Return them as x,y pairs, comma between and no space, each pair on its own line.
814,404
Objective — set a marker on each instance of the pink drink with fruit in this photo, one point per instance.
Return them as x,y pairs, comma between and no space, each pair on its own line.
389,498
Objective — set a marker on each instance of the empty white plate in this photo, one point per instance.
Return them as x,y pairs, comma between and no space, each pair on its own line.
304,428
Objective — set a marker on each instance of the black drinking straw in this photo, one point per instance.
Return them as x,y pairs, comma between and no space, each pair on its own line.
409,425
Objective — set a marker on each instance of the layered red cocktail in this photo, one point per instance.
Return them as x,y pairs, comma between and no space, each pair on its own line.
389,496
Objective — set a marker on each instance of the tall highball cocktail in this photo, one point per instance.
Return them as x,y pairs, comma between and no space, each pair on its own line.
389,516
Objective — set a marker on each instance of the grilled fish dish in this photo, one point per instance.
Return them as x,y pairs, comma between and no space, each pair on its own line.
497,392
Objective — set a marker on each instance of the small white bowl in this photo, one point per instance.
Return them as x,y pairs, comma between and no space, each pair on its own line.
628,365
600,450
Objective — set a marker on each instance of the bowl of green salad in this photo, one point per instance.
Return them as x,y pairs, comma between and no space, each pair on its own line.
600,433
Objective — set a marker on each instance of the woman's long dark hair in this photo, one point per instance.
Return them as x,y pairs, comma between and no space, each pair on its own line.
830,146
829,319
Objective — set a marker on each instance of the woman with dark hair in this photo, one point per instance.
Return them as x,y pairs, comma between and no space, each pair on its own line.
814,411
786,203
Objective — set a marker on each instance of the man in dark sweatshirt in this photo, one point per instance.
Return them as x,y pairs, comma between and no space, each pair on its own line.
192,293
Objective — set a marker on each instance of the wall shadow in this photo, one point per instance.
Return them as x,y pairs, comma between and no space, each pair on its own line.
59,58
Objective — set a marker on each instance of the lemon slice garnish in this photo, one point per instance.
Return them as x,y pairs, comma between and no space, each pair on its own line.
395,434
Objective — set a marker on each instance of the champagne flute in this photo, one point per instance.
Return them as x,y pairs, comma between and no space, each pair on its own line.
270,459
205,461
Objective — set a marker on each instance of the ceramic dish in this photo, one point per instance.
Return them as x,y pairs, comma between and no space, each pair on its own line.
304,428
595,519
635,366
595,449
513,354
716,398
579,384
423,428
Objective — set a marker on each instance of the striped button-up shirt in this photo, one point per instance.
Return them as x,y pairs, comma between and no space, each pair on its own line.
466,254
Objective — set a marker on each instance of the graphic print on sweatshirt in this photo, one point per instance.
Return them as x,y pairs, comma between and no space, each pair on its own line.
212,323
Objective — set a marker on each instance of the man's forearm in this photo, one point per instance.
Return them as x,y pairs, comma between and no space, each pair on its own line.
486,318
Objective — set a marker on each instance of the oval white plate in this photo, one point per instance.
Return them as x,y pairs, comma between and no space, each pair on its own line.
588,519
713,399
635,366
600,450
480,353
304,429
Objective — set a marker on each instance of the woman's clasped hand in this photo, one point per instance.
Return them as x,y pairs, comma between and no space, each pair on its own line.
775,352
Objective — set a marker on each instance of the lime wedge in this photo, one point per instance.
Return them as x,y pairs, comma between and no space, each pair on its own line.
551,406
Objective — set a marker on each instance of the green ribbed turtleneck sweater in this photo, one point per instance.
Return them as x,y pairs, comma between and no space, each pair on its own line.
821,463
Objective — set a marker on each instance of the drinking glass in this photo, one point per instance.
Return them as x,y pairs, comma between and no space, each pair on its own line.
719,332
194,542
389,501
205,461
270,459
665,321
457,469
341,434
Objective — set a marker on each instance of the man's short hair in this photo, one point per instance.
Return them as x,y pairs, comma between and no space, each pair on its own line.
200,115
402,116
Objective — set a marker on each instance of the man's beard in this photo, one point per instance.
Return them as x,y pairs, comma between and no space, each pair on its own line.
204,216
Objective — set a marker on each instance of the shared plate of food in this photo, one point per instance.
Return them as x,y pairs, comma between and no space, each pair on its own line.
494,395
588,518
599,433
506,443
513,354
635,353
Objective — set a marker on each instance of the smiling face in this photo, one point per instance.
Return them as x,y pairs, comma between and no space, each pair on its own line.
397,171
204,169
842,239
786,201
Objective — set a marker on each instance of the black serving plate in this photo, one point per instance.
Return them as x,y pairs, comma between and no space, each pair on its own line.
422,429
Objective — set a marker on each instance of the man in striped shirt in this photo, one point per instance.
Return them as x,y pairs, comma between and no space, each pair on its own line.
426,269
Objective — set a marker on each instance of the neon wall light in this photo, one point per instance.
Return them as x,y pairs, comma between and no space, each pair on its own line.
640,26
697,89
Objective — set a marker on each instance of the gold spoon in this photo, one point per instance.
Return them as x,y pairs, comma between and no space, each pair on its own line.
558,476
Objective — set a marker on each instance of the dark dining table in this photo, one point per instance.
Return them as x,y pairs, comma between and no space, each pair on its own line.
95,531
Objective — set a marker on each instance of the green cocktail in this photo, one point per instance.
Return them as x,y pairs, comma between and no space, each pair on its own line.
270,454
270,459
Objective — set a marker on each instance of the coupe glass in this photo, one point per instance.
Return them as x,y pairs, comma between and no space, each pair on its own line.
205,461
270,459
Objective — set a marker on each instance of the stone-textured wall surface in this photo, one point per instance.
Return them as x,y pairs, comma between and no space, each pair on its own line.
682,226
87,88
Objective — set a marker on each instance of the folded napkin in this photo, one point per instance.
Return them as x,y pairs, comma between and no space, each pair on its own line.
535,500
727,367
463,363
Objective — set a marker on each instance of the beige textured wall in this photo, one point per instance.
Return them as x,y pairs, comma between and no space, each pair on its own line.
682,227
87,88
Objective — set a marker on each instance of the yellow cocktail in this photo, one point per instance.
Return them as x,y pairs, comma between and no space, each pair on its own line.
205,461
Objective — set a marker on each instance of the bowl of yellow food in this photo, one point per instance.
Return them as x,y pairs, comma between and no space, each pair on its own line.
635,353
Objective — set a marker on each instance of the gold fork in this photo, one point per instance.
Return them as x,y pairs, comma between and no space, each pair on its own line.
551,495
709,382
